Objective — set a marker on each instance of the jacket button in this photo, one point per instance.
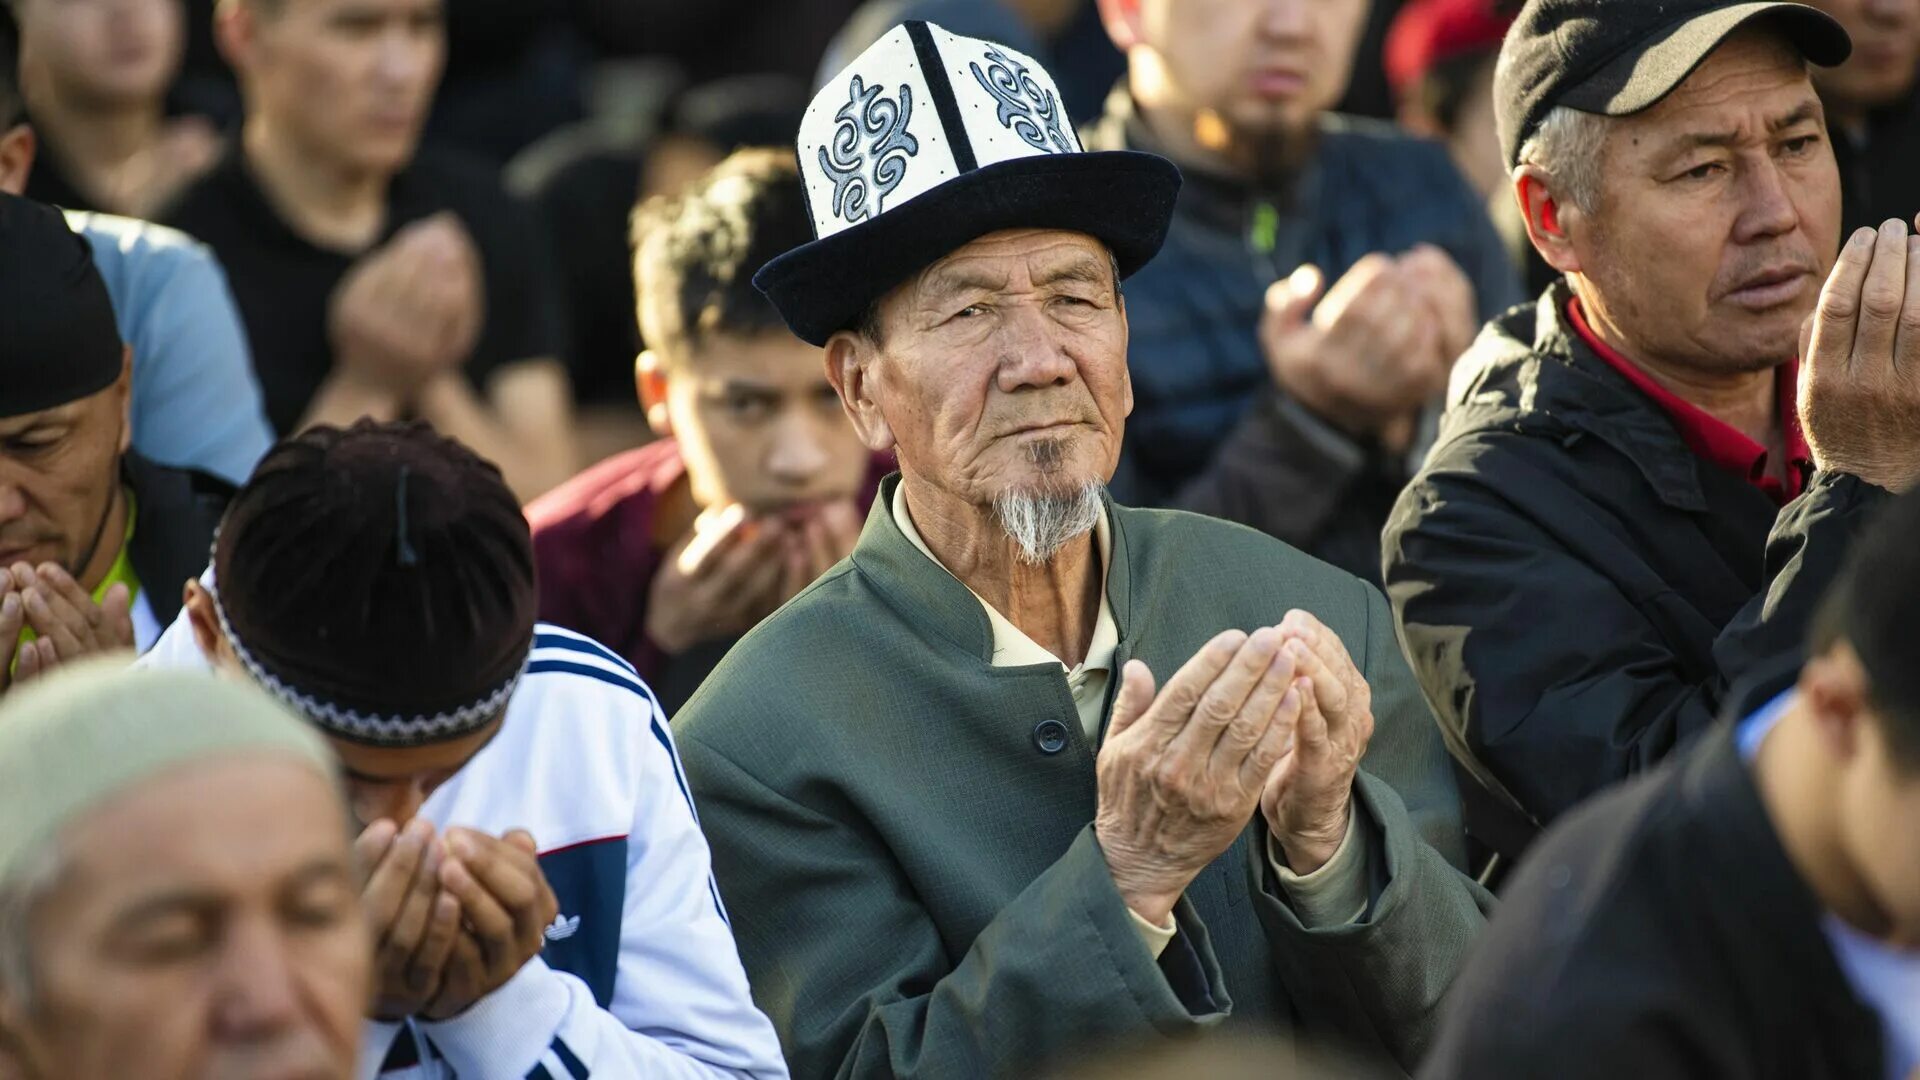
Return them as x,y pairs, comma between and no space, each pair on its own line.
1050,736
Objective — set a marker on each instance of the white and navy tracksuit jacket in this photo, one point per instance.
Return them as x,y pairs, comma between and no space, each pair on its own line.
640,977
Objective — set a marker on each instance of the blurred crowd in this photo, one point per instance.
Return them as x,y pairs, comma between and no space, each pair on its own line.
622,514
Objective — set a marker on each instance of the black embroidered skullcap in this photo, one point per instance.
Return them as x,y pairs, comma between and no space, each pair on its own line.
58,339
380,580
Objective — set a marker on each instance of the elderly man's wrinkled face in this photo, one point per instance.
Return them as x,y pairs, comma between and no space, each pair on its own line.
1718,217
205,926
1886,52
1003,368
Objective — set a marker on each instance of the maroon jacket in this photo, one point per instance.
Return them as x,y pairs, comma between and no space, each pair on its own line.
594,550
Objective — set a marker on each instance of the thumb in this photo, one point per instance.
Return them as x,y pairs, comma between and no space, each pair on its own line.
1806,336
1134,698
1290,300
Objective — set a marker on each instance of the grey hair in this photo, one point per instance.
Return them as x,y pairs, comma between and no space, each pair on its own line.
1569,145
20,894
1040,523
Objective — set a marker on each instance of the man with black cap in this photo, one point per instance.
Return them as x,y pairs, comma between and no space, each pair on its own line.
952,743
379,582
1750,910
1585,560
94,539
195,402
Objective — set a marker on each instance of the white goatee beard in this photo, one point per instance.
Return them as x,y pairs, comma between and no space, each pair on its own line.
1040,523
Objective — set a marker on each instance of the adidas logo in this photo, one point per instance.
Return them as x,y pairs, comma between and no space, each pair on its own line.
563,927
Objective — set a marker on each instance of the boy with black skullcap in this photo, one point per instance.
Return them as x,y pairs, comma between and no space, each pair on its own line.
379,580
84,521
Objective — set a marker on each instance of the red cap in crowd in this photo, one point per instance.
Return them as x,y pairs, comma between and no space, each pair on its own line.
1428,32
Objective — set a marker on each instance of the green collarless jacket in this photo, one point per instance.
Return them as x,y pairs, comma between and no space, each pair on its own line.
903,833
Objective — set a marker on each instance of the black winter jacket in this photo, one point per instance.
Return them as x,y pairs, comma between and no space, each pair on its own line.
1574,587
1660,933
179,511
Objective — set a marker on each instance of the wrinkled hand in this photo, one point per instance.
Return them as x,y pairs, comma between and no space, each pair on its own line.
816,539
1860,383
719,581
507,906
1308,796
1377,348
1181,772
412,308
414,921
69,624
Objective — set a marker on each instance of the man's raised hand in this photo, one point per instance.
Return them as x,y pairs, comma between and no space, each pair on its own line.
1181,772
414,921
1308,796
507,906
1860,386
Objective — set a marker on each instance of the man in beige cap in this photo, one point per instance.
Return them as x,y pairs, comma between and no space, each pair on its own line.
177,895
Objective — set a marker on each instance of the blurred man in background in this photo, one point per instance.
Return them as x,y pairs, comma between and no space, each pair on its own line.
177,897
758,483
1439,60
1752,909
96,75
374,281
95,541
1872,109
195,402
1321,276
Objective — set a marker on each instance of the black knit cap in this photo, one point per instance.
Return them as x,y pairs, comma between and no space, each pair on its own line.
1619,57
58,339
382,576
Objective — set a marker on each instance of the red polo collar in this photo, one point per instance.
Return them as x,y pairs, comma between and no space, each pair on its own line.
1709,438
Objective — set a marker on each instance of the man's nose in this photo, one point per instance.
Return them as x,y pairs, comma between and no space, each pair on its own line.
798,451
1030,357
403,59
1891,11
256,989
397,802
1767,207
13,501
1284,18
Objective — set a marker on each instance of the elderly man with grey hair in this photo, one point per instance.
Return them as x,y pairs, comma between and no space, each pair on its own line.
1625,509
177,893
1032,771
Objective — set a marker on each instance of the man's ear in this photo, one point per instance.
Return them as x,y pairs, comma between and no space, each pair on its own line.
198,604
236,32
650,383
124,387
17,148
1834,687
849,359
1547,218
1122,20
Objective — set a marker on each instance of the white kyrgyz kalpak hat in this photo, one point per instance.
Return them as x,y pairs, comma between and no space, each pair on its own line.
930,140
